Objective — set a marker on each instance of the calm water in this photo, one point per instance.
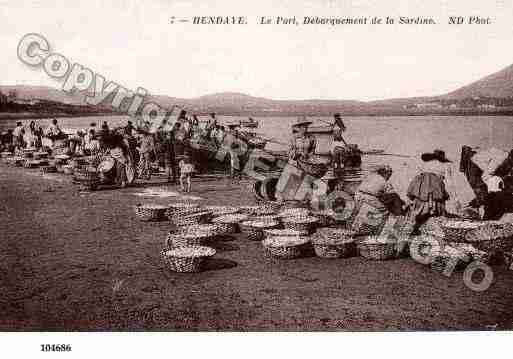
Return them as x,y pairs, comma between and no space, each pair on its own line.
407,136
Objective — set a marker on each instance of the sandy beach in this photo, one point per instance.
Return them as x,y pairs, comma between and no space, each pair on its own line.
74,260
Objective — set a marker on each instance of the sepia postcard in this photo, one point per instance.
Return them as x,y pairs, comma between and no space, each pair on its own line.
281,169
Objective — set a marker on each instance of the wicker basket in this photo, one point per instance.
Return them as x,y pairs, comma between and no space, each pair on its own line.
221,210
493,237
325,218
231,222
150,212
334,243
48,169
288,247
40,155
178,239
192,219
295,212
254,231
284,233
187,259
456,231
301,223
377,248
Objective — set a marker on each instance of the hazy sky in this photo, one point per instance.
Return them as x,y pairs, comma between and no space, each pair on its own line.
131,42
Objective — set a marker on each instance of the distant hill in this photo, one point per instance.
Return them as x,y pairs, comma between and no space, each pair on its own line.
497,85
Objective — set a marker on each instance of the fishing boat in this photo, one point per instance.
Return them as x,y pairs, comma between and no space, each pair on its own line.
249,123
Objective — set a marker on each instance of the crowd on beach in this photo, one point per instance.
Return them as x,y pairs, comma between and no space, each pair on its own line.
136,151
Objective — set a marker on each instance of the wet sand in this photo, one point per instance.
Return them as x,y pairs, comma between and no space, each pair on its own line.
81,261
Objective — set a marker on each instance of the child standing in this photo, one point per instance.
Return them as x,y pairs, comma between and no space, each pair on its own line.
186,171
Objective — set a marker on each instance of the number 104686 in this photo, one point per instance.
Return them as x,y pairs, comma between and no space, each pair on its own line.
55,347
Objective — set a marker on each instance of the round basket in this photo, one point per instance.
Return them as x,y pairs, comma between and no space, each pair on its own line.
284,233
257,210
192,219
295,212
231,222
17,161
48,169
221,210
187,259
287,247
150,212
185,239
492,237
456,231
333,248
301,223
270,217
254,230
377,248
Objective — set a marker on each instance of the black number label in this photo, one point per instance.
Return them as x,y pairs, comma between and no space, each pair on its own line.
55,347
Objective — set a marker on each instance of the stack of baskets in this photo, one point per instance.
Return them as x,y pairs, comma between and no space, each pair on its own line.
377,248
230,222
334,243
286,247
294,212
492,237
17,161
187,238
179,208
150,212
325,218
40,155
303,223
187,259
221,210
254,230
456,231
191,219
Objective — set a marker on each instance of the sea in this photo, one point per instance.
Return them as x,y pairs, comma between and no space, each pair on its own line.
402,138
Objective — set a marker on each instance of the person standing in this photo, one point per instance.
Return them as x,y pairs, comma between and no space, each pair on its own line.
18,133
427,191
166,144
147,153
186,171
302,145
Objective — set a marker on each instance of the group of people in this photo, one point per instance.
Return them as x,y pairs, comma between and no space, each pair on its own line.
433,191
135,151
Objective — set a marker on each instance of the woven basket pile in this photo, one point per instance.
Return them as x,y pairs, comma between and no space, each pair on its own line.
221,210
230,222
150,212
187,239
456,231
325,218
187,259
377,248
286,247
334,243
294,212
40,155
301,223
254,230
31,164
493,237
191,219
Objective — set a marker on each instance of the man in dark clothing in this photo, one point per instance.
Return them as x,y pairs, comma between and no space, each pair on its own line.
166,151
